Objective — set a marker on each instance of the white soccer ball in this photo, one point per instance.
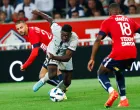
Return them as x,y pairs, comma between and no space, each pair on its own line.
56,94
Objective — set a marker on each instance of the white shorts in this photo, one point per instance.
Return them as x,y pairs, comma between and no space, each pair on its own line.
61,65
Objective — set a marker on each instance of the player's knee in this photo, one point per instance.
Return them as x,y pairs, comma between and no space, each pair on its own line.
101,71
52,74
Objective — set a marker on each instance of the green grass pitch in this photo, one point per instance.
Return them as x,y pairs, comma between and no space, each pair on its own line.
82,95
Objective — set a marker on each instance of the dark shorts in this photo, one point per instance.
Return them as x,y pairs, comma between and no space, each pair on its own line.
117,65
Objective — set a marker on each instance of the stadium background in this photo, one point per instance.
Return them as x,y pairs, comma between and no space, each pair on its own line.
85,92
86,28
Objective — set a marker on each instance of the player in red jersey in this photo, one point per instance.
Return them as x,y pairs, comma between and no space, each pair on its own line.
121,29
38,38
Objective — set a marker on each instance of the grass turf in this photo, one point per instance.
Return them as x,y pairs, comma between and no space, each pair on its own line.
82,95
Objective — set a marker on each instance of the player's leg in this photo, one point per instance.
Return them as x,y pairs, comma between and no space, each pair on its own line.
125,64
66,69
51,66
60,75
43,72
121,88
65,83
102,73
105,82
52,72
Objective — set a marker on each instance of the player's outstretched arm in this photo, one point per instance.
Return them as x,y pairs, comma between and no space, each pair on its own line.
94,51
31,58
43,15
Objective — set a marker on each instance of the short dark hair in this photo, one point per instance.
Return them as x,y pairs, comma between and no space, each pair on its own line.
67,28
75,11
21,11
19,21
133,6
114,5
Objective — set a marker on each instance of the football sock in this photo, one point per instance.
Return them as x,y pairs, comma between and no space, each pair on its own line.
104,81
60,77
53,82
123,97
110,89
62,86
120,83
45,78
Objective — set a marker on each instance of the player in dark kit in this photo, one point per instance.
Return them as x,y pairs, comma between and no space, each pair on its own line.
121,29
38,38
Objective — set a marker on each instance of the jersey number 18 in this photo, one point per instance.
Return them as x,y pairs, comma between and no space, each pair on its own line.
125,28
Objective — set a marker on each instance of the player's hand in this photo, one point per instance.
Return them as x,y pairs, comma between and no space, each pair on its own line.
90,65
21,68
36,12
50,56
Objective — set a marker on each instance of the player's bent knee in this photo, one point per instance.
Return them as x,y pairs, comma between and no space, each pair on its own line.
52,75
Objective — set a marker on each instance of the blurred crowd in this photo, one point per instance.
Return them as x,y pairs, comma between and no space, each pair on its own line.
12,10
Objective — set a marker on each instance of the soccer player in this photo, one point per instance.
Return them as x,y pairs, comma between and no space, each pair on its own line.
121,29
60,51
39,39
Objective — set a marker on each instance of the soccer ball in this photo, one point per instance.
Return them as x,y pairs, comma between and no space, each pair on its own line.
56,94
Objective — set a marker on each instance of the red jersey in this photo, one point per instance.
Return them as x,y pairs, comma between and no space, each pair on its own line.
38,38
121,29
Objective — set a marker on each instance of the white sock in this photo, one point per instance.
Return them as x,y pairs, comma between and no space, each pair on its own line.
45,78
123,97
110,89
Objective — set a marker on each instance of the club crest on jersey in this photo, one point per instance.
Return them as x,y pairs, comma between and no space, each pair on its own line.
12,37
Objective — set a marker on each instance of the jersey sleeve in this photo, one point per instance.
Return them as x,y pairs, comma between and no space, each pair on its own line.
73,44
104,29
31,58
56,29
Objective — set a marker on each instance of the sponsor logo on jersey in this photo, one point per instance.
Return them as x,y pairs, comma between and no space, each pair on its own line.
121,18
127,41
